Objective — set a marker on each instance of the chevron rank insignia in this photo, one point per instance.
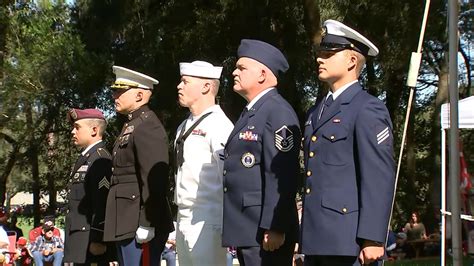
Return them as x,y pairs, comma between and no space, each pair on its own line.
104,183
284,139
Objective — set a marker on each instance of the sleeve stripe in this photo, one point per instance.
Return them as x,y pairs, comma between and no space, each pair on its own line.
382,132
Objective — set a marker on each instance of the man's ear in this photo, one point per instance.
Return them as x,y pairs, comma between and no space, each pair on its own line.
206,87
352,61
94,131
139,96
263,76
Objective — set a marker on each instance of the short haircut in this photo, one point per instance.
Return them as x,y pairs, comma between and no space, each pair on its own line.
215,83
101,124
360,60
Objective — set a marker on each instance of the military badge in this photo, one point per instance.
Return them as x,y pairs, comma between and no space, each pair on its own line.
198,132
307,123
284,139
248,136
250,127
324,32
248,160
73,114
129,130
83,168
76,176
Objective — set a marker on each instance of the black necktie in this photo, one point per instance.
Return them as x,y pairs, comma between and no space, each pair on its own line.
329,100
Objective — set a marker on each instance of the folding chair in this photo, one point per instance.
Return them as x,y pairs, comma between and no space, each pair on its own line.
11,248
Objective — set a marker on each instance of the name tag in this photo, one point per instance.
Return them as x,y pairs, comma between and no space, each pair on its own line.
83,168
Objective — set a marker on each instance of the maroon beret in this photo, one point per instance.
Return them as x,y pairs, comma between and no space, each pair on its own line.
78,114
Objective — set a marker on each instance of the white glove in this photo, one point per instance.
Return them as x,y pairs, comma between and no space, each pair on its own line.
144,234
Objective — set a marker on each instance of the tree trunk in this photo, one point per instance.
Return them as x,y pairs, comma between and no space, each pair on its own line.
312,21
410,173
33,159
6,172
441,97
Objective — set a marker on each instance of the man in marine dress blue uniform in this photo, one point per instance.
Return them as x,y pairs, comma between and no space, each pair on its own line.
138,210
261,162
348,158
88,189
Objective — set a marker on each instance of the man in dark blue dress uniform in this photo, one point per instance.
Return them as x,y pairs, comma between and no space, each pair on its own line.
261,162
348,158
88,189
138,210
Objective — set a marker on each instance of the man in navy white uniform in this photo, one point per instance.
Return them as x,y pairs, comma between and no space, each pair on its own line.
261,162
199,150
348,158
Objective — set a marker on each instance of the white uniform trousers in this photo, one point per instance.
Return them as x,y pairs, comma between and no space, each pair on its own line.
200,244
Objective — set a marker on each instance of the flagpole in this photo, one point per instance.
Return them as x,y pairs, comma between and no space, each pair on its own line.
454,133
412,79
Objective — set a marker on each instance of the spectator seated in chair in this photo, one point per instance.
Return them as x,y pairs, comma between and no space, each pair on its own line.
47,247
37,231
23,255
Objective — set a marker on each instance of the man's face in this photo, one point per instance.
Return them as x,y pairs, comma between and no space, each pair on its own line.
125,100
246,74
82,133
190,90
333,65
49,234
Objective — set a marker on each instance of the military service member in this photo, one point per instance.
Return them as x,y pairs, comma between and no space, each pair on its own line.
199,148
137,207
88,189
348,159
261,162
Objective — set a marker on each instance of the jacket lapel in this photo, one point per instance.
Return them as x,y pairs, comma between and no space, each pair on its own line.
243,121
82,159
335,108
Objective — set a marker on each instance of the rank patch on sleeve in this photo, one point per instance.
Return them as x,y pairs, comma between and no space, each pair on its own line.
104,183
383,135
284,139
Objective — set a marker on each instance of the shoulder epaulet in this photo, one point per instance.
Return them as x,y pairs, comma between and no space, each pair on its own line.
103,152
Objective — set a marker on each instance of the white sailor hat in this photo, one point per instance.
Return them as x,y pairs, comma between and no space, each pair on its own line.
200,69
129,79
337,37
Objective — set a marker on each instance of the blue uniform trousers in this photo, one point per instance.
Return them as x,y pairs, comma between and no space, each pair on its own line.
256,256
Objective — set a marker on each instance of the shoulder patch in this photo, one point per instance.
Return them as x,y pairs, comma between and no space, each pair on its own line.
284,139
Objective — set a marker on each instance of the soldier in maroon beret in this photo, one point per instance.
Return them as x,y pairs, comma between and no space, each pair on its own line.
88,189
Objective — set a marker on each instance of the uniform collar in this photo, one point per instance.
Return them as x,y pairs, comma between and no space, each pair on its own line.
134,114
90,147
208,110
341,89
260,95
